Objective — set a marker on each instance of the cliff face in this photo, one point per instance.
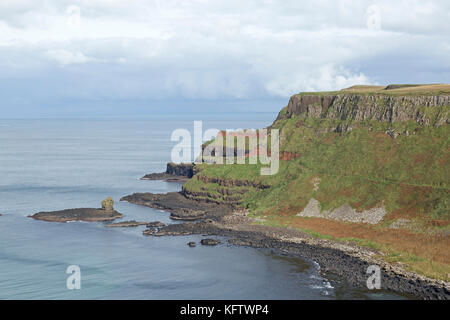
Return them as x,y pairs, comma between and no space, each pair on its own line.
182,169
425,110
221,190
174,172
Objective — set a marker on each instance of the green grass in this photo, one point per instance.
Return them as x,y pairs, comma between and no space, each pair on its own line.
391,90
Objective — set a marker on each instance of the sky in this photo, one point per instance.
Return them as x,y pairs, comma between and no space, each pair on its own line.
95,57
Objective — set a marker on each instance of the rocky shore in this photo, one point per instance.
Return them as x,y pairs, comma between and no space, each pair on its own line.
174,173
180,207
125,224
337,260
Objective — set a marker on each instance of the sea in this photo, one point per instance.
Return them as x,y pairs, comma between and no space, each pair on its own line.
61,163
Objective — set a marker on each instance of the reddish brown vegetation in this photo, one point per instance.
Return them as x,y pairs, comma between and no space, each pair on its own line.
286,155
430,247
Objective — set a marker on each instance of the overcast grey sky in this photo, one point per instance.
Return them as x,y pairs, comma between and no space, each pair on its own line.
59,56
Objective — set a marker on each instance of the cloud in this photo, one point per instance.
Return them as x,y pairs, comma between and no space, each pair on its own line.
327,77
65,57
146,50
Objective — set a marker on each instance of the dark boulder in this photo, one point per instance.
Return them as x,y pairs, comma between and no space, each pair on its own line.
209,242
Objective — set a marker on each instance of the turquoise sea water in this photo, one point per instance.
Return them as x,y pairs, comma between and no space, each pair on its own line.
53,164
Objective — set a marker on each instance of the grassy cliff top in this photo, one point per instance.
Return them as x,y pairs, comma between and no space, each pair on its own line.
392,89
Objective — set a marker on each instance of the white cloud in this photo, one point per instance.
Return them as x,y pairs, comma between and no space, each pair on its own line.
325,78
198,49
65,57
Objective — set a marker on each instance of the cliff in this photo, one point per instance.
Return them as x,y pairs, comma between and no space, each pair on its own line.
174,173
182,169
425,110
367,163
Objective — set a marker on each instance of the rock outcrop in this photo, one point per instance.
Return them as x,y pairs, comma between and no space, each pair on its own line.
124,224
155,224
174,173
209,242
79,214
426,110
181,169
180,207
108,204
106,213
343,213
227,191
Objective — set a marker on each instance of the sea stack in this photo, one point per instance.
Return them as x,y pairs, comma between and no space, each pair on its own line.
108,204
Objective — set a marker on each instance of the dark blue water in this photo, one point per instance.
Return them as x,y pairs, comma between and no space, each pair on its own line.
53,164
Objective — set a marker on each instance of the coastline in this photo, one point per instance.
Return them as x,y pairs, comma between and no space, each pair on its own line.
338,260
